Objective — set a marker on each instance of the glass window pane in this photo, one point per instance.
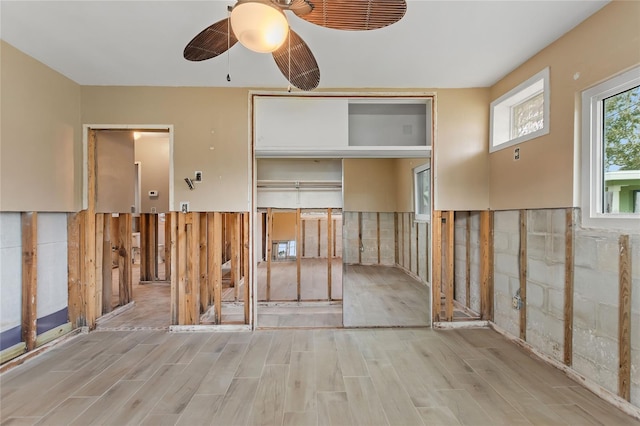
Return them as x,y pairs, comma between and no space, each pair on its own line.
621,151
528,116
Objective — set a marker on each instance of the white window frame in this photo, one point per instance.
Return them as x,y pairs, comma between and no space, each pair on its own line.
592,155
501,111
422,217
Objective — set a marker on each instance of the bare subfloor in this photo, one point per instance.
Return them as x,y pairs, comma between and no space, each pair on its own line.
296,377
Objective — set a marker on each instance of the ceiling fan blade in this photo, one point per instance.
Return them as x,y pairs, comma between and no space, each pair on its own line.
300,67
300,7
355,15
210,42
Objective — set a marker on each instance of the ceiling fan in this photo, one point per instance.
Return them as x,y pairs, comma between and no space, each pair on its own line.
261,26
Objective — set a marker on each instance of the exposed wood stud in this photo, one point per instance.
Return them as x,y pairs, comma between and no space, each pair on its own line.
235,254
319,235
486,265
246,272
335,224
569,262
74,285
107,280
468,261
217,243
173,223
410,242
402,240
396,254
329,244
204,276
88,278
29,278
360,247
100,255
450,255
153,247
145,274
304,226
182,268
192,292
436,232
124,259
624,318
298,256
168,217
269,248
523,274
378,234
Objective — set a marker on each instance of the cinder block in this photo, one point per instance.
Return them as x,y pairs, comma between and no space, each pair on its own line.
600,350
607,321
538,271
542,342
556,249
598,286
10,230
536,246
507,263
501,283
608,255
585,250
505,316
501,242
507,221
555,303
635,257
539,221
584,313
535,296
606,378
558,222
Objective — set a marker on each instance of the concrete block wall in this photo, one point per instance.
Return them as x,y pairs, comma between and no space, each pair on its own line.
10,278
311,237
506,276
460,253
595,298
369,254
424,248
545,280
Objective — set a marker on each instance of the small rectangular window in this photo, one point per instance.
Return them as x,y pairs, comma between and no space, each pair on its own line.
611,152
522,113
422,192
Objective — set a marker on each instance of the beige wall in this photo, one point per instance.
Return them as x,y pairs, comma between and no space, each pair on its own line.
153,154
369,185
210,135
115,171
40,136
404,182
603,45
461,150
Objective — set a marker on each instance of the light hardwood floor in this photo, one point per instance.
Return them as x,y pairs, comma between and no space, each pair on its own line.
296,377
383,296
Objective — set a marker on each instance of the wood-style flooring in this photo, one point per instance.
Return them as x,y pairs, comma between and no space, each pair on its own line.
296,377
313,280
383,296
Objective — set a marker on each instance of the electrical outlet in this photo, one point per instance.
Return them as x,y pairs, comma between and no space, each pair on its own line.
516,154
517,302
184,206
198,176
153,210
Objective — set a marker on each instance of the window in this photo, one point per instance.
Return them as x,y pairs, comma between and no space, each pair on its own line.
611,152
522,113
422,194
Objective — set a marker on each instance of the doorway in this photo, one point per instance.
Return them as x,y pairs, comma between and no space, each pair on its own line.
131,197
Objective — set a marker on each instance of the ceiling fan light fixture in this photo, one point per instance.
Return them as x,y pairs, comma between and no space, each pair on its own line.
259,26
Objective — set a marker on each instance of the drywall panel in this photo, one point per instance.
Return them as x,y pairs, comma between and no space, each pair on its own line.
284,226
152,152
389,124
369,185
40,136
460,150
115,171
11,279
544,175
299,123
52,271
211,134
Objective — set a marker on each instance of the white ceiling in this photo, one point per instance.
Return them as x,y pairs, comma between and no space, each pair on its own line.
440,44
